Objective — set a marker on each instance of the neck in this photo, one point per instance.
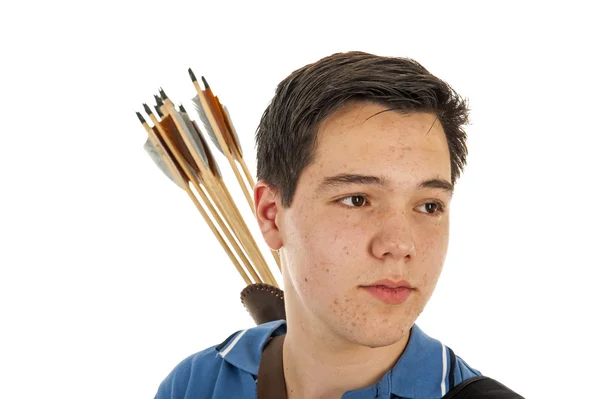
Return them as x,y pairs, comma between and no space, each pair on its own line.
320,365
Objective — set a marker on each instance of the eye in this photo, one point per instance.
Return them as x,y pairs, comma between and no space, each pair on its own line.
431,208
354,201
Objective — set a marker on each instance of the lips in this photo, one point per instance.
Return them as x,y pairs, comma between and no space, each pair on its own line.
391,284
390,291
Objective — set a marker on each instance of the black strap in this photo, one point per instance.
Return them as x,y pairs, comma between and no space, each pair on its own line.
481,388
476,387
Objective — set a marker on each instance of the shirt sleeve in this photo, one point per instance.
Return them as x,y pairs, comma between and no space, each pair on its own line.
193,378
174,386
463,371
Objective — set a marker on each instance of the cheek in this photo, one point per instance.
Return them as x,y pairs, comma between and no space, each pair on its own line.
322,254
433,247
323,234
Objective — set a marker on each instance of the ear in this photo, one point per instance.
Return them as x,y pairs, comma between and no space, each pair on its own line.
267,206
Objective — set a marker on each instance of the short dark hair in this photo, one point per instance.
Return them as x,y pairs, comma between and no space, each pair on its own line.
286,137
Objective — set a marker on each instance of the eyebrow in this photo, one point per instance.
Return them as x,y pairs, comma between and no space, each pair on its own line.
346,179
440,184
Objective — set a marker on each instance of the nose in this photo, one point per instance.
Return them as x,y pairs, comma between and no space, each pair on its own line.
394,238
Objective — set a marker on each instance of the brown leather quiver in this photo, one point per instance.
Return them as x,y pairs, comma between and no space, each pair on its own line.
264,302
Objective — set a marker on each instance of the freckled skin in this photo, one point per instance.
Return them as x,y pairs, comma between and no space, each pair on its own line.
330,249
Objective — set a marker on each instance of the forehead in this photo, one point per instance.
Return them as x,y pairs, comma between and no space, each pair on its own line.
369,119
367,137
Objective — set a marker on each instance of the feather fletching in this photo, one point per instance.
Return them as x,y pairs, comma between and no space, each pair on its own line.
235,135
158,161
206,123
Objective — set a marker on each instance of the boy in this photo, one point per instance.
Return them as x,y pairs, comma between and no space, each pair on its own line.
357,159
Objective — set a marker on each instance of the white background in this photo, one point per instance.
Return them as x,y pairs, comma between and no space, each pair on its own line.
109,276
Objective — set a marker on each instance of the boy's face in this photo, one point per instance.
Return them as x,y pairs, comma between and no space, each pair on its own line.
344,233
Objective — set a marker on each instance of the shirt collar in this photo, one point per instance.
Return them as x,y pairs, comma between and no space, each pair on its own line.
419,373
422,369
244,349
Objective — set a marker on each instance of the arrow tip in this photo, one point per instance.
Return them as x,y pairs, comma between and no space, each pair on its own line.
192,76
206,86
147,109
157,108
162,94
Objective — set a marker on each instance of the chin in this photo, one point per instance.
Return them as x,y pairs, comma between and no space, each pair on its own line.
378,336
383,344
379,342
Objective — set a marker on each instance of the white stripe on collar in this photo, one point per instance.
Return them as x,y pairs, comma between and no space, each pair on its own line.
229,347
444,368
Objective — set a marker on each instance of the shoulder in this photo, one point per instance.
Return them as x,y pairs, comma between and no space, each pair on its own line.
460,370
230,366
186,376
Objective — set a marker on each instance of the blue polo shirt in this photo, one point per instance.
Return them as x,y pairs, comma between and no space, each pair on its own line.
230,370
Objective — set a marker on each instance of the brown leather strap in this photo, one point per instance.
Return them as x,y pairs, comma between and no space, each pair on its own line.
271,380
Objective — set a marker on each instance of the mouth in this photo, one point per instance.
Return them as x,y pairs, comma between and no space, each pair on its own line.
389,291
387,283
